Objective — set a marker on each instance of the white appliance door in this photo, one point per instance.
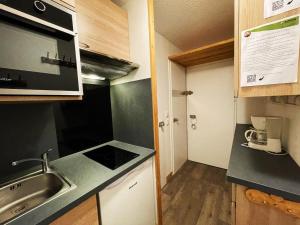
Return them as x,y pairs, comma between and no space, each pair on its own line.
179,114
130,200
213,105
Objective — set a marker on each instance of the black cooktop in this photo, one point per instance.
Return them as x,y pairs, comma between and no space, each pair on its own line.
110,156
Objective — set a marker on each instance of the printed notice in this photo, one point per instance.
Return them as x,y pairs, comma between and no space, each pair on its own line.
270,53
275,7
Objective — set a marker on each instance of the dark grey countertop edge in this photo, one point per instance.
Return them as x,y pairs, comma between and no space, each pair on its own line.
278,183
94,191
249,184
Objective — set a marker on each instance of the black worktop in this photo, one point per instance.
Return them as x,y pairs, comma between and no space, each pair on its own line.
278,175
90,178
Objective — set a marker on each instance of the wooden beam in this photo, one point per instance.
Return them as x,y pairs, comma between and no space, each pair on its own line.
209,53
154,107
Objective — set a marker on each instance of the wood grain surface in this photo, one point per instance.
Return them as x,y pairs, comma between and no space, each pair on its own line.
197,195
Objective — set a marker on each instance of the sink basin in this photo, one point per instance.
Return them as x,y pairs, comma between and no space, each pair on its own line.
27,193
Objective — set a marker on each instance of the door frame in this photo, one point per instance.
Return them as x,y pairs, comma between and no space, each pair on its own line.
171,117
155,109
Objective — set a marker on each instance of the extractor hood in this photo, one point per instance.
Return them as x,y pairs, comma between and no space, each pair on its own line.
104,66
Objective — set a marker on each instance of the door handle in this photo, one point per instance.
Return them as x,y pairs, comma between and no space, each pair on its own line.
161,124
175,120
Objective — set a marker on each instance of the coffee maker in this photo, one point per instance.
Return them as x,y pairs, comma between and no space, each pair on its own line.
265,134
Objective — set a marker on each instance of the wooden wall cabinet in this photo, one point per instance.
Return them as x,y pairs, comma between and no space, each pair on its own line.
84,214
245,212
67,3
103,28
248,14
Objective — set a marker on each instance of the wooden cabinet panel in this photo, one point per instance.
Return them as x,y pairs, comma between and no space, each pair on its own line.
84,214
67,3
248,213
103,28
248,14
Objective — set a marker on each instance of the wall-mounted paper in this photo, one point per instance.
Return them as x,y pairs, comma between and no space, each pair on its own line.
275,7
270,53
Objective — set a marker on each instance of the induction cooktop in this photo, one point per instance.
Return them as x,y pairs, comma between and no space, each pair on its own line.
110,156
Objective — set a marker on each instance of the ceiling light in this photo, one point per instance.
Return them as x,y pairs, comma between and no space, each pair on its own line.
93,77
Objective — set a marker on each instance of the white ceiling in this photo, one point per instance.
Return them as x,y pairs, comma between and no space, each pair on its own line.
190,24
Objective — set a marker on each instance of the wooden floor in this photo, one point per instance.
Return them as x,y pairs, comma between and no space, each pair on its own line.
197,195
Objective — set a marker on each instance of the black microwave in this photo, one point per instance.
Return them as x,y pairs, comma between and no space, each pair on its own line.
39,51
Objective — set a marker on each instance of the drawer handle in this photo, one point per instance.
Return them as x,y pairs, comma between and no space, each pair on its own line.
84,45
133,185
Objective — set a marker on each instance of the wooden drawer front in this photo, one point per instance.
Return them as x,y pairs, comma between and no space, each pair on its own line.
248,213
103,28
84,214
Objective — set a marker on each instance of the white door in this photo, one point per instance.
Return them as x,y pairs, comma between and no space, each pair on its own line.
212,103
179,115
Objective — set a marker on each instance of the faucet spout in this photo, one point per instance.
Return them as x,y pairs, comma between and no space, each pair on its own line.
44,160
15,163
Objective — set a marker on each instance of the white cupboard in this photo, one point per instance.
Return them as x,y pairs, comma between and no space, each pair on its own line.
130,200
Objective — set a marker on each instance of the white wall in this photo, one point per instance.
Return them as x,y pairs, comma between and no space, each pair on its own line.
164,48
246,107
138,40
291,130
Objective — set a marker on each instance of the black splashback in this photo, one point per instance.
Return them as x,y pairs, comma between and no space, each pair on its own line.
132,113
26,131
84,124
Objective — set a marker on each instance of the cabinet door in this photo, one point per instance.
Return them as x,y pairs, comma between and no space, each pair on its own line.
248,213
250,13
103,28
130,200
84,214
67,3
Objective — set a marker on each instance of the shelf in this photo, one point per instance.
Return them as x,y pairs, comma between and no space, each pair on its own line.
209,53
37,98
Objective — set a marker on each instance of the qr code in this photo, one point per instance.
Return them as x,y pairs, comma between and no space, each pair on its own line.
251,78
277,5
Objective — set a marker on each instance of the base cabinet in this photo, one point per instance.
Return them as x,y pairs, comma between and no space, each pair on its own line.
130,200
84,214
249,213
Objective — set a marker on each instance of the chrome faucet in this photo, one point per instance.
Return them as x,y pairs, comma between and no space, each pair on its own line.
44,160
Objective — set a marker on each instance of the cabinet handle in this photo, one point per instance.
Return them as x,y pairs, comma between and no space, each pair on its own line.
133,185
84,45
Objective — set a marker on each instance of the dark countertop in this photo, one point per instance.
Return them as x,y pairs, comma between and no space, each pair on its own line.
90,178
278,175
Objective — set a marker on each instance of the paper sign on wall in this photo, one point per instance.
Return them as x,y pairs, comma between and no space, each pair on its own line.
275,7
270,53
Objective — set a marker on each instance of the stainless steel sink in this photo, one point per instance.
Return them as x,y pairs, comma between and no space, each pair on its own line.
27,193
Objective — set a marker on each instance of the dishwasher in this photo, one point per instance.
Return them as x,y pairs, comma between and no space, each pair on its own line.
131,199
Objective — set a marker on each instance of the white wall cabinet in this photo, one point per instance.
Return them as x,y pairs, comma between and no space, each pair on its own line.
130,200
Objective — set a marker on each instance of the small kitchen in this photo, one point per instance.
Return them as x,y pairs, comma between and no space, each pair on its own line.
149,112
77,137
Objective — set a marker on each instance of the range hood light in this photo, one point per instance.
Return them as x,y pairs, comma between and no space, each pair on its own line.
93,77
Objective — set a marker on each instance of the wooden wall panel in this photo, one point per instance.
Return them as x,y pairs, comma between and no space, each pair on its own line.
103,28
248,213
251,14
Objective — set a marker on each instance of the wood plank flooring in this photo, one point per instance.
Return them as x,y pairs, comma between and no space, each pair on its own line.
197,195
